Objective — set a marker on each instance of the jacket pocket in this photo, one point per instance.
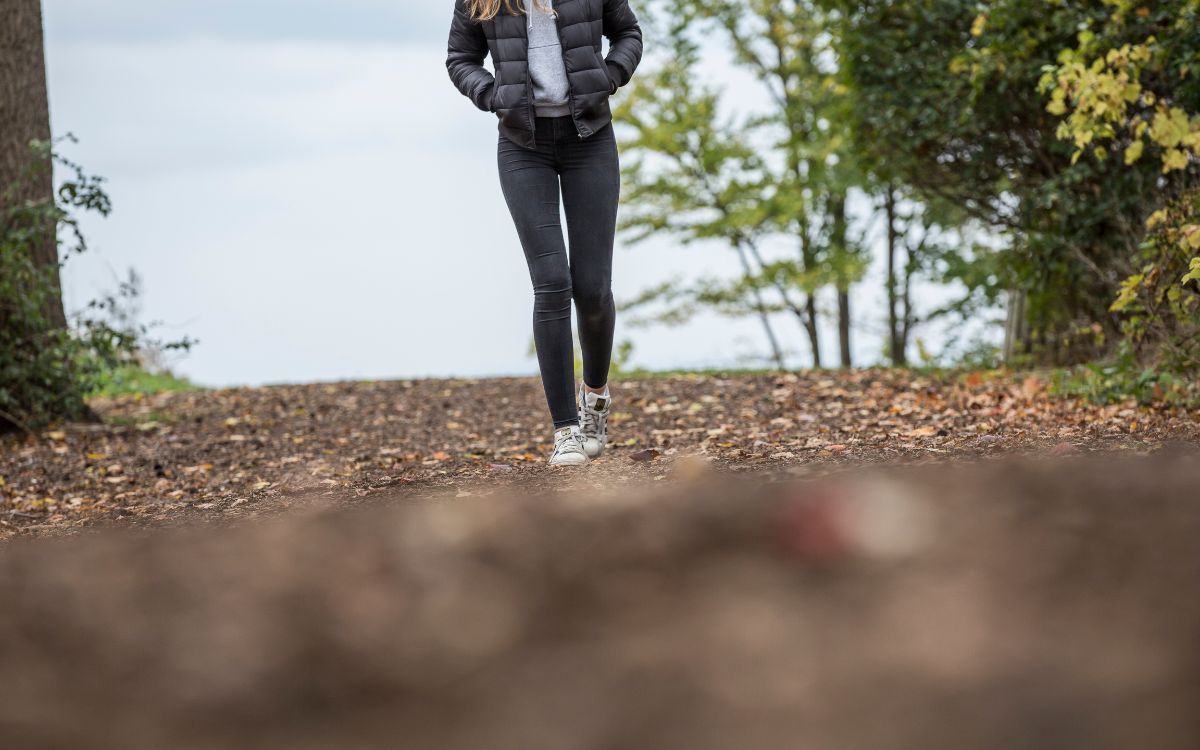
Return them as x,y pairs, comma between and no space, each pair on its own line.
494,95
612,85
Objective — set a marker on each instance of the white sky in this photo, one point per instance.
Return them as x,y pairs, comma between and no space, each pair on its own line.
302,189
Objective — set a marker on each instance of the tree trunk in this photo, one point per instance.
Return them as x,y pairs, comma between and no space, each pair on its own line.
809,262
844,327
786,298
24,118
841,256
810,327
27,178
896,343
763,313
907,318
1016,327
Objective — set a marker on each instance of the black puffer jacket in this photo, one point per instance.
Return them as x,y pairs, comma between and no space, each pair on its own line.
510,92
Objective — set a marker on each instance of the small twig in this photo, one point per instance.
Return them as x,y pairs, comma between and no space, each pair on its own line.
21,514
18,424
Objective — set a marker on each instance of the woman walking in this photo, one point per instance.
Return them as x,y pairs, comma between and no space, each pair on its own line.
550,92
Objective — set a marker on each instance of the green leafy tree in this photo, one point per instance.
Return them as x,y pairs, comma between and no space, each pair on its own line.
696,177
1129,94
946,91
785,45
769,175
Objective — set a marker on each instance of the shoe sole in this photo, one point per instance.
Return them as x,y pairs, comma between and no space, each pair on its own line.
570,463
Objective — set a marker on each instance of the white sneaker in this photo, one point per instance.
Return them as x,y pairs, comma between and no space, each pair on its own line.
594,409
568,448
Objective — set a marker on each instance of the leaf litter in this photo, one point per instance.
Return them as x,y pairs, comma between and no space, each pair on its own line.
237,453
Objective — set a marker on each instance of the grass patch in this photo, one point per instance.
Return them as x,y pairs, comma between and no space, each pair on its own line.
1115,382
643,374
125,381
140,420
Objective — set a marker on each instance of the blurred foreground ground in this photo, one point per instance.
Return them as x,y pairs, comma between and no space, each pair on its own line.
1019,604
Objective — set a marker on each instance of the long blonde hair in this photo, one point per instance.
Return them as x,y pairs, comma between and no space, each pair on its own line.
486,10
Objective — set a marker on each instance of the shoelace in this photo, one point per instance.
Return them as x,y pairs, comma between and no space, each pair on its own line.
568,442
590,421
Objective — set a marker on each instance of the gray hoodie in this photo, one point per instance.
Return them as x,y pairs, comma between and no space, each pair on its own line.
546,68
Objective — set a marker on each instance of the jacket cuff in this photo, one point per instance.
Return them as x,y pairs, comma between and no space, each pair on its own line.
484,100
614,77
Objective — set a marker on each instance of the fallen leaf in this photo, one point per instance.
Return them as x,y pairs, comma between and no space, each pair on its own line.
690,468
1064,449
648,454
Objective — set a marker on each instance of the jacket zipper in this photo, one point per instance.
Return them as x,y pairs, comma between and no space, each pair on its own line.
529,108
570,87
529,111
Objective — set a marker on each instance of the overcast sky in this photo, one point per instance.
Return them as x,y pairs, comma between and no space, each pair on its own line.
303,190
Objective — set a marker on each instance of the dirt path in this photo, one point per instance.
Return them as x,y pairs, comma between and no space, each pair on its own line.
245,452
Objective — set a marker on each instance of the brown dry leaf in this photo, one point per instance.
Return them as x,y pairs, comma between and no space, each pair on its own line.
691,467
1031,386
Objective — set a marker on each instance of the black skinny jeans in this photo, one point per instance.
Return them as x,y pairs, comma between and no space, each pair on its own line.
590,177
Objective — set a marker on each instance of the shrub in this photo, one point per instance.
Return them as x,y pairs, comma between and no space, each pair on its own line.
47,370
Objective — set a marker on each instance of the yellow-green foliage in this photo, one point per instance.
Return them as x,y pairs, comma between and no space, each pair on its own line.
1138,97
